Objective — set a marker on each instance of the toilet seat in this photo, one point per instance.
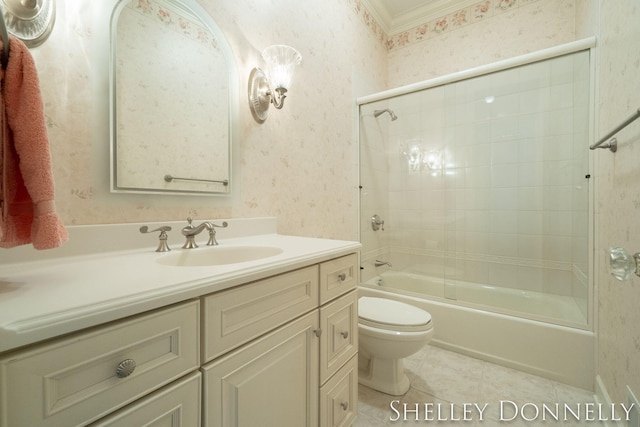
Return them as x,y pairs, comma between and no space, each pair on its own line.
392,315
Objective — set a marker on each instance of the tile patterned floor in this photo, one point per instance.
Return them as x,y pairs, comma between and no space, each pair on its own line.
444,379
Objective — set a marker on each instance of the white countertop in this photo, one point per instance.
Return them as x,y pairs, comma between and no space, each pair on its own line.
48,297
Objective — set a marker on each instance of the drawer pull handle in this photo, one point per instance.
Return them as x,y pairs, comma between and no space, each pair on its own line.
345,405
318,332
125,368
344,334
342,277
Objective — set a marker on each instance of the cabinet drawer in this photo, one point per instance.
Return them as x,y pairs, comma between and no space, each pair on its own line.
175,405
339,338
338,276
238,315
339,397
73,381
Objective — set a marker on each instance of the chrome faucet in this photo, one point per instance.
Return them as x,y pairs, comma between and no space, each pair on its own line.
379,263
190,232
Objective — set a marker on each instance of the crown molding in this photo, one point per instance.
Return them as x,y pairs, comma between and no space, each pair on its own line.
412,18
380,13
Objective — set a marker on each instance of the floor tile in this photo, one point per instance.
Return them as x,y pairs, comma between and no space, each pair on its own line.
450,389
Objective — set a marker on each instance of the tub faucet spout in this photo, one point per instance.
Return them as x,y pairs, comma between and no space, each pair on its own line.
379,263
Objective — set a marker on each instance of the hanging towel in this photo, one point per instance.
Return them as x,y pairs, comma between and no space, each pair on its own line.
27,190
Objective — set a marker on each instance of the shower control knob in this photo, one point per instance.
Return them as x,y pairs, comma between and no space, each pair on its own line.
377,223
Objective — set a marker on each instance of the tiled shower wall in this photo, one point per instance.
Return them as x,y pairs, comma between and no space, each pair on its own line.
503,199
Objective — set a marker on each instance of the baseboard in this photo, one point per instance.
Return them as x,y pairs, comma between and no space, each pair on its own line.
602,396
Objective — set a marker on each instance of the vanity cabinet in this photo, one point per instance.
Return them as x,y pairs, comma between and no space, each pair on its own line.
302,370
279,351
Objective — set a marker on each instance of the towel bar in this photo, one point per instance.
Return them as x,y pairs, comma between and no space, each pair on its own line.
613,143
170,178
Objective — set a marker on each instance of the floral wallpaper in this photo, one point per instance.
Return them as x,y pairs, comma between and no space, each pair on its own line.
470,15
522,28
477,12
300,166
618,195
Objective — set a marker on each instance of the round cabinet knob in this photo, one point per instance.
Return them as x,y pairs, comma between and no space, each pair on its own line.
342,277
344,334
344,405
125,368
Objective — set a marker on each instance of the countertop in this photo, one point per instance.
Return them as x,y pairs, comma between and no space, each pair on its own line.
50,297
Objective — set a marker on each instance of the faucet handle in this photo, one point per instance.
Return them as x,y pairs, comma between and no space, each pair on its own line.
162,245
212,233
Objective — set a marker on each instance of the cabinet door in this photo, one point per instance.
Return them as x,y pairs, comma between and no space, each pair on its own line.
270,382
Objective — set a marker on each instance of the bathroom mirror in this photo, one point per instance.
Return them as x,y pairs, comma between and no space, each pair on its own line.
172,94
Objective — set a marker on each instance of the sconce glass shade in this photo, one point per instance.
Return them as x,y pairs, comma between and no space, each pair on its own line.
29,20
264,91
282,61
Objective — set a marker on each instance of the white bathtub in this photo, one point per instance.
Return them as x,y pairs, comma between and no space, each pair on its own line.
560,353
559,309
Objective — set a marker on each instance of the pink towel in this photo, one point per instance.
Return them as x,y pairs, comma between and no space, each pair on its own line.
27,191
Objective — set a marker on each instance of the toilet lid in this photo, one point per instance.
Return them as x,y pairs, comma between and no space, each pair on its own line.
384,311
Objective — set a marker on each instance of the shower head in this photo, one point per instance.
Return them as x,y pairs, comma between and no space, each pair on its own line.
377,113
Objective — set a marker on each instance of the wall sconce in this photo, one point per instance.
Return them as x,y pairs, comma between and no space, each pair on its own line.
264,91
29,20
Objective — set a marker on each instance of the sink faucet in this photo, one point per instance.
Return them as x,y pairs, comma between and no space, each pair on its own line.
190,232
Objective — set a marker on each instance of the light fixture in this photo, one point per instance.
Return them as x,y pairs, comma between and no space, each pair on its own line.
264,91
29,20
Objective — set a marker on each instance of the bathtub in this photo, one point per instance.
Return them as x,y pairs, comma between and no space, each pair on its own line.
559,309
558,352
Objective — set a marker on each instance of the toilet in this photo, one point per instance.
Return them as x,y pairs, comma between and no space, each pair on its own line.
388,332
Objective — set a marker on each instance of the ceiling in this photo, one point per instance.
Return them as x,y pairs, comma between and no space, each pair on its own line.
400,15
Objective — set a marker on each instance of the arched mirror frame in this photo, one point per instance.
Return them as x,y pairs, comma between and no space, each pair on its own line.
225,48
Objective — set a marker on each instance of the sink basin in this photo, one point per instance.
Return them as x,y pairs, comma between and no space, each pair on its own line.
217,255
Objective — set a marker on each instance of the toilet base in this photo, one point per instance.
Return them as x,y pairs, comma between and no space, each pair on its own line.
385,375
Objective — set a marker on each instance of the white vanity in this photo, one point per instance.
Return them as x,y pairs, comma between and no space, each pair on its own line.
131,337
